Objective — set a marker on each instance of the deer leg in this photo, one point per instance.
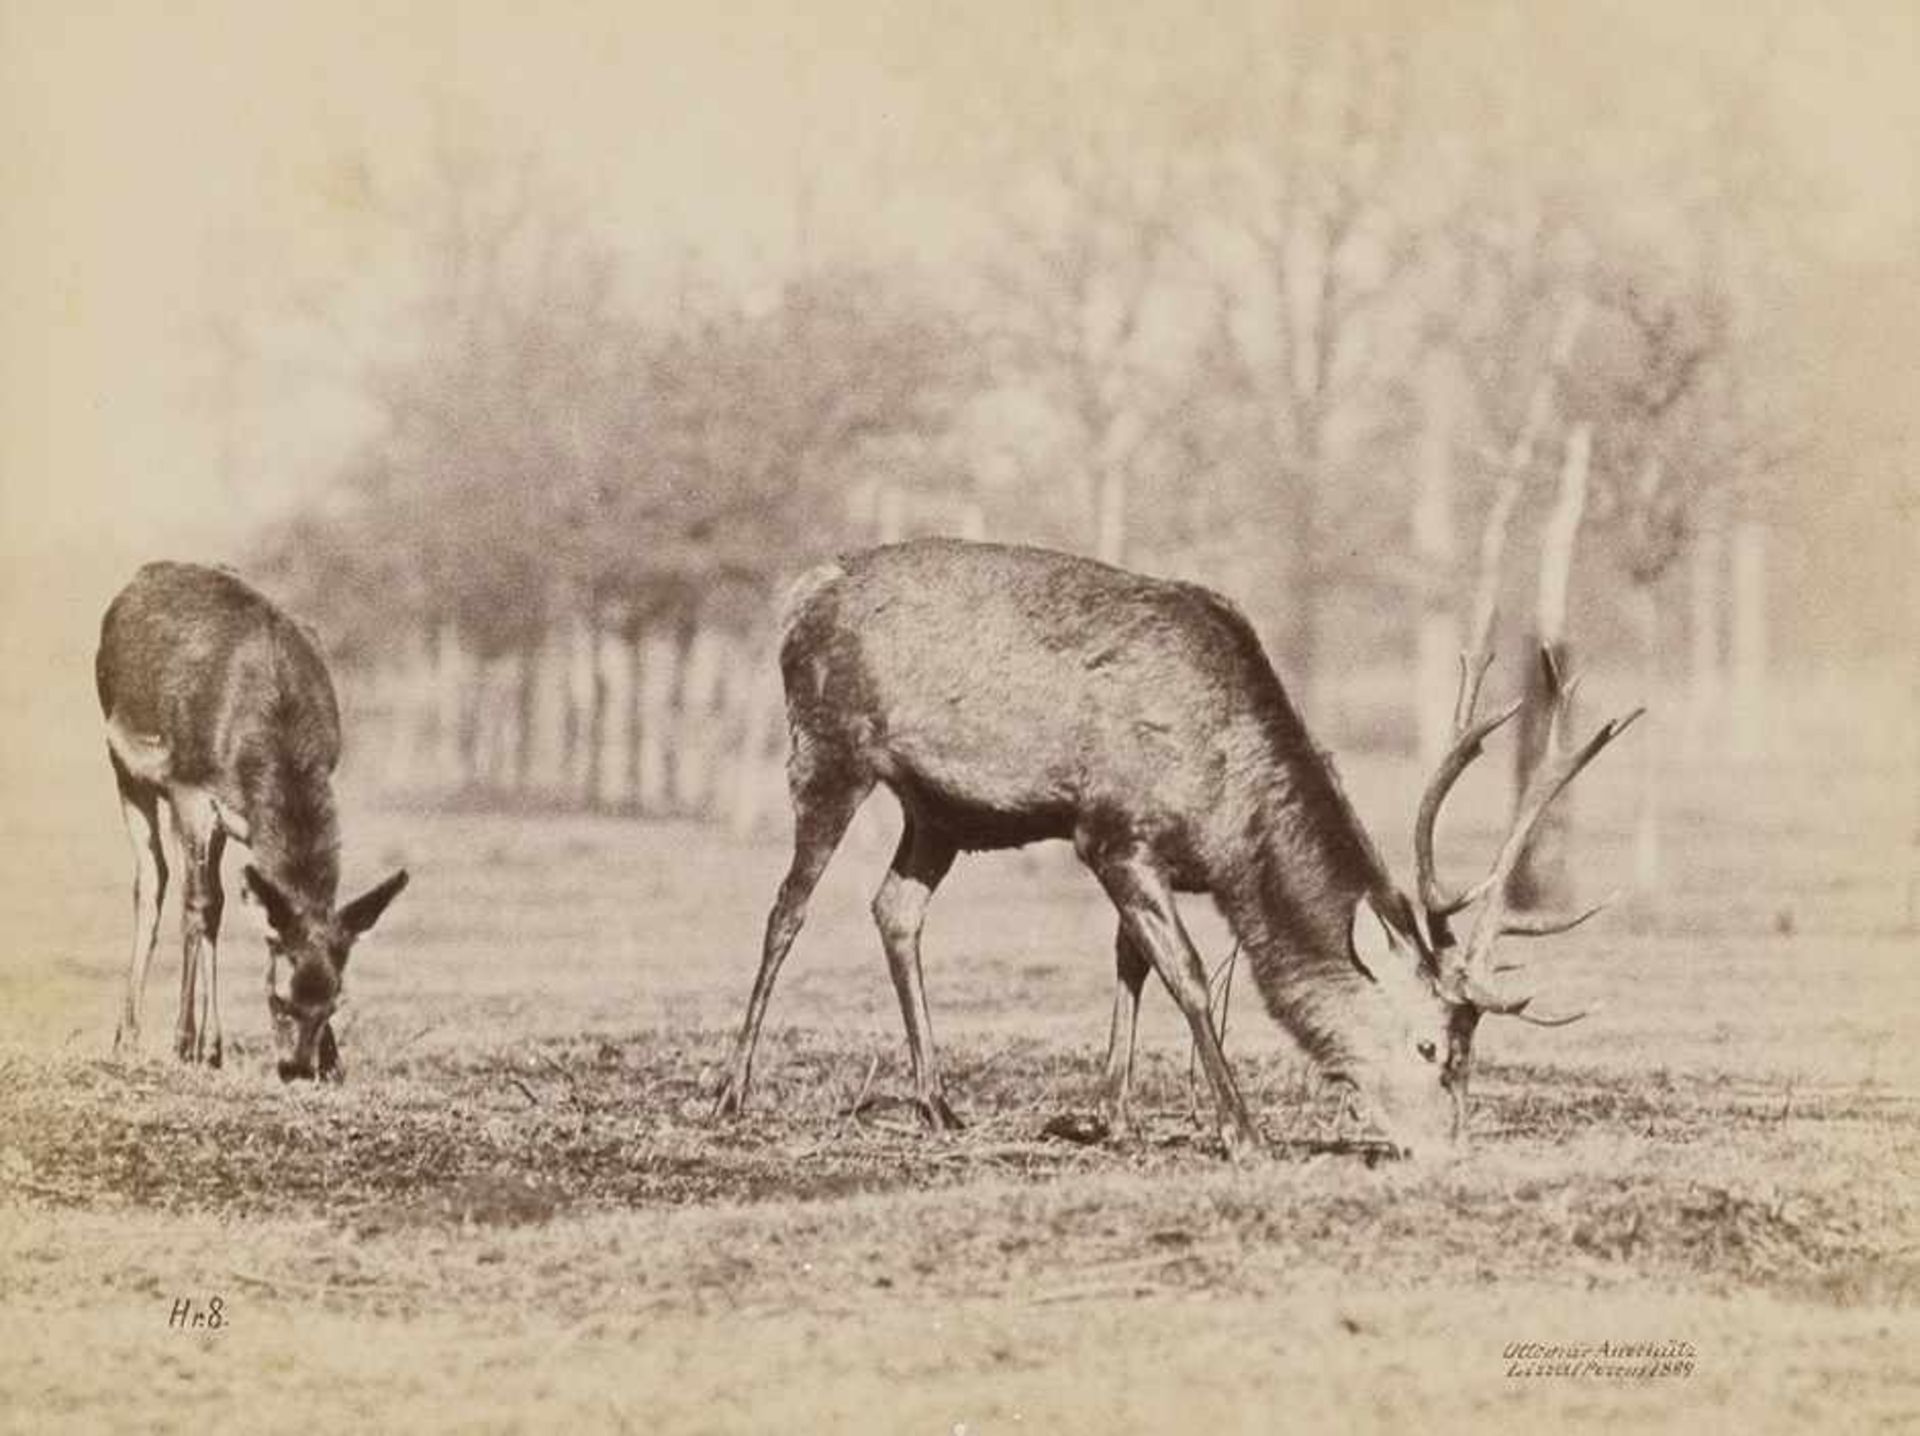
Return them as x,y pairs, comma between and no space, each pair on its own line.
184,1030
899,910
213,907
1130,967
197,1033
1149,919
141,810
825,798
328,1063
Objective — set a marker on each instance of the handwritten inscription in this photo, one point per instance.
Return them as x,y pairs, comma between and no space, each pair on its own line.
1600,1360
189,1315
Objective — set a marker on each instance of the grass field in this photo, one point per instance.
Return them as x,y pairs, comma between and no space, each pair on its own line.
515,1214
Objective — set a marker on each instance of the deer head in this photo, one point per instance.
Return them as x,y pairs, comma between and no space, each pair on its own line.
1466,975
314,947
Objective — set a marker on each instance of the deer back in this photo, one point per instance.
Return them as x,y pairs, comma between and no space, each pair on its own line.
1042,694
204,682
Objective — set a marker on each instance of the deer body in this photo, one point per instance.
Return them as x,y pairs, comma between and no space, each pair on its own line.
1010,695
220,706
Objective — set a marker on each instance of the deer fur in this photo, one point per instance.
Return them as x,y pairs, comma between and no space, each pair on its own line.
219,706
1011,695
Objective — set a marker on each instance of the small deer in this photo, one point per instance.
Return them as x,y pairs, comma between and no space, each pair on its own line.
1008,695
220,705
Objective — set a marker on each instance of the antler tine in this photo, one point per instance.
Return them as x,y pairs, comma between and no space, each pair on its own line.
1473,673
1496,1006
1548,783
1466,747
1557,683
1494,920
1546,925
1562,1020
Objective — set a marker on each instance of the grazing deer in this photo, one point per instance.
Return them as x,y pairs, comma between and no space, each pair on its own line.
218,703
1007,695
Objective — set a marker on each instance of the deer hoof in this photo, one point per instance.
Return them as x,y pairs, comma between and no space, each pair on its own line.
938,1116
1240,1140
1079,1129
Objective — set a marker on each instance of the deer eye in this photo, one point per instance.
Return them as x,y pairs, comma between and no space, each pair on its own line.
1427,1050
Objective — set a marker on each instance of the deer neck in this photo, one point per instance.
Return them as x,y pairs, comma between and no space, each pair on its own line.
1290,894
294,833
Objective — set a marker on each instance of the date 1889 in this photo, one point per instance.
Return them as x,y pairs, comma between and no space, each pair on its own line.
189,1315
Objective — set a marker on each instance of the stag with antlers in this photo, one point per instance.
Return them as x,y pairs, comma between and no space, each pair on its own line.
1011,695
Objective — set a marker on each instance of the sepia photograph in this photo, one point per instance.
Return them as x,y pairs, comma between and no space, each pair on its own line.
866,717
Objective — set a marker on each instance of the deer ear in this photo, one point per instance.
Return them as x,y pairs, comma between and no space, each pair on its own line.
280,913
364,911
1369,940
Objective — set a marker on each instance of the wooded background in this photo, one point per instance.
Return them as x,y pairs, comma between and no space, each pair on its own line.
1413,332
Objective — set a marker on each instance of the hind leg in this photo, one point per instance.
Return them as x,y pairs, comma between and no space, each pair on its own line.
140,808
196,1036
1151,922
1130,969
826,794
900,909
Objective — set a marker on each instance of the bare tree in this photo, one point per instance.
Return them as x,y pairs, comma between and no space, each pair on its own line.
1075,310
1664,458
504,383
1524,309
767,418
1323,348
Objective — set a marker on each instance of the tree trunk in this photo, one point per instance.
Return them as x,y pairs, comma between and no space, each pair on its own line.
686,631
526,712
1437,630
490,727
473,688
1646,824
1749,719
596,734
412,736
570,706
1559,538
732,692
446,706
1542,877
1516,467
755,779
1706,598
636,718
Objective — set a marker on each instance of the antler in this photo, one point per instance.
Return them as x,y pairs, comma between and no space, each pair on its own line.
1473,974
1467,745
1469,977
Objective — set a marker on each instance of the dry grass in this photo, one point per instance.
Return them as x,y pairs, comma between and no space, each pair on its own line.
1578,1173
516,1214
